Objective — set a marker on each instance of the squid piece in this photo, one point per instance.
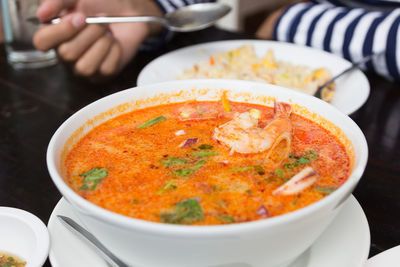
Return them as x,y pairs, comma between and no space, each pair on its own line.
304,179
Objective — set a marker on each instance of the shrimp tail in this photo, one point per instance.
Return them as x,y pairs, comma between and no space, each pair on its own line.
242,134
282,109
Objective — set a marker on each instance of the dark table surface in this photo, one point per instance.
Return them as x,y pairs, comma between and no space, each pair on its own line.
34,103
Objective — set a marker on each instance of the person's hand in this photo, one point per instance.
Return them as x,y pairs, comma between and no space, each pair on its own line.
94,49
266,30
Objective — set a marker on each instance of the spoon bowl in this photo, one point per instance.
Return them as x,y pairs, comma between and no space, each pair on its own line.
185,19
195,17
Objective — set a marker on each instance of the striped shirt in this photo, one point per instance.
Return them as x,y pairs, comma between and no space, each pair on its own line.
171,5
349,31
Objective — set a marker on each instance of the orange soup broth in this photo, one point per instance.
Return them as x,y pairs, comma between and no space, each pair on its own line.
223,186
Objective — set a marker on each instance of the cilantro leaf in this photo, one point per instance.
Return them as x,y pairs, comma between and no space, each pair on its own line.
171,161
183,172
199,164
205,146
325,190
188,171
226,218
303,160
185,212
279,173
313,154
257,168
92,178
243,169
170,185
151,122
94,174
260,170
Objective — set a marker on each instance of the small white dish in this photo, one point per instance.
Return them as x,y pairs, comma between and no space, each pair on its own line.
387,258
24,235
352,89
350,245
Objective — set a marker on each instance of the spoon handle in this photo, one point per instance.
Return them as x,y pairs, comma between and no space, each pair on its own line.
76,228
101,20
352,67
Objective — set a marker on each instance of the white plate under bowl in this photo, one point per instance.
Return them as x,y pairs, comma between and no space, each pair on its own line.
387,258
345,243
352,89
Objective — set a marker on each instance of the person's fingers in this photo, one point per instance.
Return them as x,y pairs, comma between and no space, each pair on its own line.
90,62
130,43
110,64
50,9
76,47
51,36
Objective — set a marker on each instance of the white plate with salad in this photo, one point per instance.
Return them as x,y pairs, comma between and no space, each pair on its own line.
291,65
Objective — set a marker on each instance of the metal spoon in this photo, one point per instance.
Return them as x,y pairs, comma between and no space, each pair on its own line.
353,66
185,19
76,228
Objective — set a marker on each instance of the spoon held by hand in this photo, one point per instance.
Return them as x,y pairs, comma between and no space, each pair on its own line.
185,19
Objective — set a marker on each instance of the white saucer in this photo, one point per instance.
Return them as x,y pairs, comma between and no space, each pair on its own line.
387,258
345,243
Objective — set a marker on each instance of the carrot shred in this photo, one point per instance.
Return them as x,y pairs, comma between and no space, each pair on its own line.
212,62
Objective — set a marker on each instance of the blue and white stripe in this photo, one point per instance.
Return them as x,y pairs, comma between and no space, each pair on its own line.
351,33
377,5
170,5
305,24
285,21
355,49
381,40
339,31
322,25
394,35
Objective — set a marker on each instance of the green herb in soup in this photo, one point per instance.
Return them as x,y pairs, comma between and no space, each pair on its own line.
185,212
151,122
92,178
210,163
8,260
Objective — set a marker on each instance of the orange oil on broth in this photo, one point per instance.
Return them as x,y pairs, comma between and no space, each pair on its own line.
227,187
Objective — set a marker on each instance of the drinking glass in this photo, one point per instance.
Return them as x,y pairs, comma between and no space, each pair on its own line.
18,31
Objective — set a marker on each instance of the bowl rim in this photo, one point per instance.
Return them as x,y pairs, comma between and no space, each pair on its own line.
207,231
39,229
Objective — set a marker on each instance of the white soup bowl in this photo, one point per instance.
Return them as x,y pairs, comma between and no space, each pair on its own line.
271,242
